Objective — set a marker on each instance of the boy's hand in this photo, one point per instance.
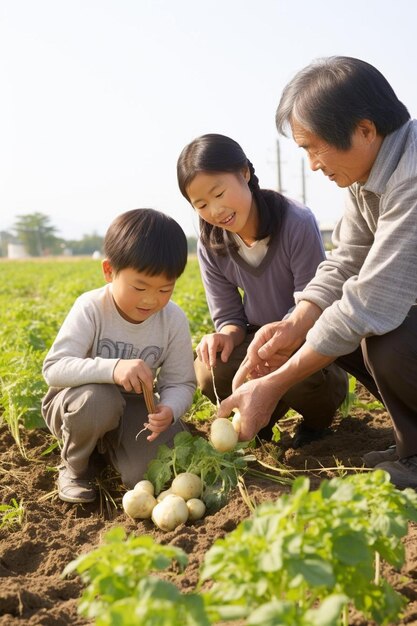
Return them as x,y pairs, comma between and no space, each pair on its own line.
129,372
159,421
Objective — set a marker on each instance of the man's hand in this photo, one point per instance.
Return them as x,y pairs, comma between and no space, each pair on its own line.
274,343
129,373
256,401
270,348
276,362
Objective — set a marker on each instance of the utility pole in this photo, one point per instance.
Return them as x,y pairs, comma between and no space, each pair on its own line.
303,181
279,186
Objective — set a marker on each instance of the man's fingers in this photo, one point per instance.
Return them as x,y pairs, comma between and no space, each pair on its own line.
247,432
226,407
242,373
268,349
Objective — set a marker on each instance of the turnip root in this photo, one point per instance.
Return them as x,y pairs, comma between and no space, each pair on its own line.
138,504
163,495
187,485
236,421
222,434
144,485
170,513
196,509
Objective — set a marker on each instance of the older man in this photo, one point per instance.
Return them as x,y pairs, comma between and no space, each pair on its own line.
360,308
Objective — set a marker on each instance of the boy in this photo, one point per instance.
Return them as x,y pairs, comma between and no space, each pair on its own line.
113,343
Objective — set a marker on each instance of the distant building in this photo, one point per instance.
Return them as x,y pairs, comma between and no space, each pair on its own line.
16,251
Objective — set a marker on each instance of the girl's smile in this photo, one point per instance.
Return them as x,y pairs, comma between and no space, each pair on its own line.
228,221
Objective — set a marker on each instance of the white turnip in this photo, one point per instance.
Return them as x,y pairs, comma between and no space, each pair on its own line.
138,504
236,421
170,513
222,434
196,509
163,495
187,485
144,485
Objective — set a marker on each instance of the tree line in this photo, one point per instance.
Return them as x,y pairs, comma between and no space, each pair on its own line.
38,236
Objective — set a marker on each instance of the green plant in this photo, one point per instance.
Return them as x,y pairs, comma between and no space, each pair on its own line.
201,409
299,561
12,515
309,546
218,471
351,400
122,588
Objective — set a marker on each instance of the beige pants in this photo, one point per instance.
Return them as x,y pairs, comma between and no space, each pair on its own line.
99,417
316,398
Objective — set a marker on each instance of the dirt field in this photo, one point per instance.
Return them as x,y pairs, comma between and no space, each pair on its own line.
32,558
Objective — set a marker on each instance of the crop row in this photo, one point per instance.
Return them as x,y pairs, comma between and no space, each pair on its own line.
300,560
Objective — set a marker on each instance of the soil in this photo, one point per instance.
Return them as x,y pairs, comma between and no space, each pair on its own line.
53,533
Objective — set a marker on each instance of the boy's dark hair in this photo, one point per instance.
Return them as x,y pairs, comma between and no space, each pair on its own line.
213,153
148,241
330,96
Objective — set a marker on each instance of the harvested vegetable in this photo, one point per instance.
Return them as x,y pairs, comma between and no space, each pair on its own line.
223,436
138,504
218,471
163,494
196,509
187,485
170,513
145,485
236,421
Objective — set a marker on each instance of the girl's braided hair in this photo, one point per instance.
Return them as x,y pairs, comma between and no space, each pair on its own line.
213,153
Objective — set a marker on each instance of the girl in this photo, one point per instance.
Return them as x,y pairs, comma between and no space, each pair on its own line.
256,248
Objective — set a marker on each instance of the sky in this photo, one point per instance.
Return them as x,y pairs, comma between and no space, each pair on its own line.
98,97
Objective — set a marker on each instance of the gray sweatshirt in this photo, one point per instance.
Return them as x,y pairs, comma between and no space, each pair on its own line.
94,337
369,282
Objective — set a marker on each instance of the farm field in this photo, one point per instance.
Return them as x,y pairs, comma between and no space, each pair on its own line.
40,535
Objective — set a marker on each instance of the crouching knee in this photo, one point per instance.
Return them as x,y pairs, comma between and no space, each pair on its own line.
387,359
101,404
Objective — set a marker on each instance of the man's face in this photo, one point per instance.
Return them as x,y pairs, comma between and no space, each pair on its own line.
344,167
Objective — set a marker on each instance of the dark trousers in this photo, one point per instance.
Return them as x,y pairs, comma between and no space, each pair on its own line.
387,366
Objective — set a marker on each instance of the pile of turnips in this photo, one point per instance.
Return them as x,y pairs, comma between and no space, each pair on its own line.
183,501
172,507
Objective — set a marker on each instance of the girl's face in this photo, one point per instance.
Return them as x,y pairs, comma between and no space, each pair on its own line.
224,199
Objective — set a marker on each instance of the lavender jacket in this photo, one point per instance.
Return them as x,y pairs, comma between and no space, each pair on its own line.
240,294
